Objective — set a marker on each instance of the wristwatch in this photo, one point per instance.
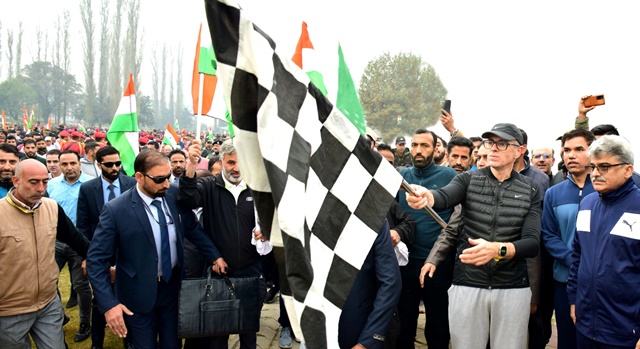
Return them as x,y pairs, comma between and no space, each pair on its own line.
502,253
454,133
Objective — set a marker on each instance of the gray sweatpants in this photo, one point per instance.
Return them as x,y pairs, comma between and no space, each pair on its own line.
477,314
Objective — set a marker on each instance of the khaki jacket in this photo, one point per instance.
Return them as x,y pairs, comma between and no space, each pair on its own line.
28,270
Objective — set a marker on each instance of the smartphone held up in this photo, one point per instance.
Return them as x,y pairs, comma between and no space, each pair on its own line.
447,106
594,100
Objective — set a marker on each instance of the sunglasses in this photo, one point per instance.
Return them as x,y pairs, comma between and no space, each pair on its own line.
157,179
110,164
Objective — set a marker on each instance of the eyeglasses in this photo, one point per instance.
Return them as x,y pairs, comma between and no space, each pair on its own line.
544,156
501,145
604,168
157,179
110,164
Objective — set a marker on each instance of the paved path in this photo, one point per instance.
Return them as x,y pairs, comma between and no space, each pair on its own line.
270,331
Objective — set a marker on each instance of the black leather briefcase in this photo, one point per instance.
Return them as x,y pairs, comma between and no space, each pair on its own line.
212,306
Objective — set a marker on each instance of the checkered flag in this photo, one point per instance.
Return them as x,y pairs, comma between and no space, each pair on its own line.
320,192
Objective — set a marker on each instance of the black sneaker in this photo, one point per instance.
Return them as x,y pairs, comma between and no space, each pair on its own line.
83,333
271,295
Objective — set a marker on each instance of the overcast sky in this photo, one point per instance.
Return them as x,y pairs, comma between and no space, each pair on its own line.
502,61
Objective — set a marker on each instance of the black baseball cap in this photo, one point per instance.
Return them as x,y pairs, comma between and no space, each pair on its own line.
506,131
400,140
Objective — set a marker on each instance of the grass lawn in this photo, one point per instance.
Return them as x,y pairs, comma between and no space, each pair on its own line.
111,341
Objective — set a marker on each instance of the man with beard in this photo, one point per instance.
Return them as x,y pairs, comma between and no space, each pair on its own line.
178,161
144,229
93,195
9,159
229,219
29,147
65,190
440,155
460,150
434,295
41,147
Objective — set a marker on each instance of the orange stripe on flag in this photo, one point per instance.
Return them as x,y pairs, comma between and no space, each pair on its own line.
130,90
303,42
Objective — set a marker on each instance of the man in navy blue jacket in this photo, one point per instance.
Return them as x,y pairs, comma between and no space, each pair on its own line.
144,228
369,307
603,290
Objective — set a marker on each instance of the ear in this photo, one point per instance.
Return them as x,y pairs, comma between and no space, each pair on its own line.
628,171
139,177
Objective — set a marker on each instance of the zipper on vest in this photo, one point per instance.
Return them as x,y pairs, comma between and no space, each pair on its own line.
35,239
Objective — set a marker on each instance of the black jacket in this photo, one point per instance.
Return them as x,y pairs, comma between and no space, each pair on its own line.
229,225
503,212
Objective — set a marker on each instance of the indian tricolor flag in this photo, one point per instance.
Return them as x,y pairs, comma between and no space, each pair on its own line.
81,127
4,121
347,100
123,132
170,137
25,119
204,65
305,52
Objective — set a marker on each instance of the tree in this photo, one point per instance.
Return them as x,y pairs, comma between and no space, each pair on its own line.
400,85
102,107
13,94
10,53
19,49
146,117
42,77
86,13
116,80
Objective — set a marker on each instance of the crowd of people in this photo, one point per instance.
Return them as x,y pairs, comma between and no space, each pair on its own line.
521,242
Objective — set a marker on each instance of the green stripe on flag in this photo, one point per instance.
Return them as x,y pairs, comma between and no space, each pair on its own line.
347,101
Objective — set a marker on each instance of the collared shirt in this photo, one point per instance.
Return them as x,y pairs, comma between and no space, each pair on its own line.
152,213
66,195
105,188
233,188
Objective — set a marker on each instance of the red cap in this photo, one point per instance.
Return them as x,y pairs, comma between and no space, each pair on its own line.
143,140
99,135
64,134
75,134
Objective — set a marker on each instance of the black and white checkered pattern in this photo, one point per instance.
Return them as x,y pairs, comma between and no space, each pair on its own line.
320,192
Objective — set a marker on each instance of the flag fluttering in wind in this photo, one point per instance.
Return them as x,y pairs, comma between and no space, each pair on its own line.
176,125
348,101
205,64
32,118
170,136
25,120
4,121
306,53
81,127
49,123
123,132
287,132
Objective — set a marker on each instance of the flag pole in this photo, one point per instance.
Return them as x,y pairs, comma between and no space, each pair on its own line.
429,210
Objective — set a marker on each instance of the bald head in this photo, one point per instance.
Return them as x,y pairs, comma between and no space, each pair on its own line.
30,181
542,158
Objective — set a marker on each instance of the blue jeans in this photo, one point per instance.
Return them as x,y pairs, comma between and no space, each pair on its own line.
44,326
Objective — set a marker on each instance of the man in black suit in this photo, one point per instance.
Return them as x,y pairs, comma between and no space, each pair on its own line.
93,195
368,310
144,228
